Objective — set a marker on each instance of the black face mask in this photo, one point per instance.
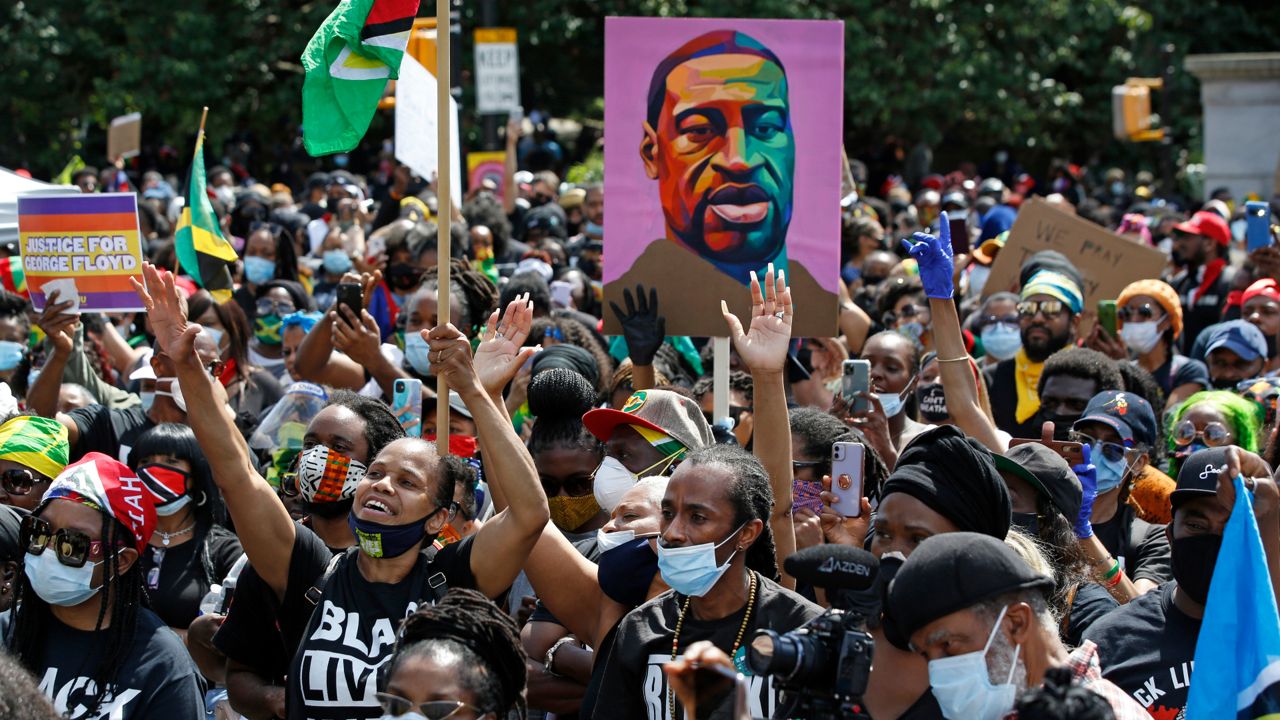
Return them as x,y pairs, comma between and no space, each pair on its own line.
589,268
1223,383
870,281
1027,523
1194,558
625,572
933,403
1061,423
402,276
1271,346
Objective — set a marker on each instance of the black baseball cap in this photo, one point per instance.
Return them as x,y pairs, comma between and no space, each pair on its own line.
1048,473
972,567
1129,415
1198,476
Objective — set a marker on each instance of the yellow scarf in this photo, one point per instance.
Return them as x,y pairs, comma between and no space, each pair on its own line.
1026,377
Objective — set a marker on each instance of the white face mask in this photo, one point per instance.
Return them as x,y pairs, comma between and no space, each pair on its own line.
610,540
612,481
175,392
1141,337
962,683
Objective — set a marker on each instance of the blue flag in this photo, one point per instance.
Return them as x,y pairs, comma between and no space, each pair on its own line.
1237,664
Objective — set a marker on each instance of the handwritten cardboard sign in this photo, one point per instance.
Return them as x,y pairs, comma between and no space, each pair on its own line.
1106,261
124,137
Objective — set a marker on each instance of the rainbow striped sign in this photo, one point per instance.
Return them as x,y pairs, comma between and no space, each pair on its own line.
86,244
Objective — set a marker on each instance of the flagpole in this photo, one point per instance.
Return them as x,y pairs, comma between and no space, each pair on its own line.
204,113
444,210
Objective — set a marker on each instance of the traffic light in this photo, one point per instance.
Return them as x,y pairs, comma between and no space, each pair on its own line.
1131,116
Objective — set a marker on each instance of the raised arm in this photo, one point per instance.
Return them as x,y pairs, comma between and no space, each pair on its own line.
510,191
262,522
60,329
317,362
764,349
644,330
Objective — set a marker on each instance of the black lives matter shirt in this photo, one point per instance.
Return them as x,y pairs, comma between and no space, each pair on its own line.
633,686
156,679
353,630
1146,648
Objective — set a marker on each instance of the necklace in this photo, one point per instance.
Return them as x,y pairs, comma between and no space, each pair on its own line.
166,537
742,629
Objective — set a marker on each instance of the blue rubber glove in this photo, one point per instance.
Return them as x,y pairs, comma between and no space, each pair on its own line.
933,255
1088,474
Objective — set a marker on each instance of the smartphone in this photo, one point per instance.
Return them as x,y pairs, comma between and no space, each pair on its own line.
350,295
406,402
856,378
1257,217
959,236
846,477
1107,316
561,293
1072,452
517,113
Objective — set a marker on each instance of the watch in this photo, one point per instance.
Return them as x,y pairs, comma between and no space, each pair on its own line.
548,660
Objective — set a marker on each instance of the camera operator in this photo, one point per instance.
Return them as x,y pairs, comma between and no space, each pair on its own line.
992,637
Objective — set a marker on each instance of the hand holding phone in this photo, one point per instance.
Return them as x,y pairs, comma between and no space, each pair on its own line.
846,477
406,405
1107,316
1257,216
855,380
350,295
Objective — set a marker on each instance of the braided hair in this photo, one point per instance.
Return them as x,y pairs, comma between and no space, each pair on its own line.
472,293
559,397
467,631
751,497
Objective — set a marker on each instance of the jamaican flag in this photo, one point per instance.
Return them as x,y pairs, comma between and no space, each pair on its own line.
348,63
202,251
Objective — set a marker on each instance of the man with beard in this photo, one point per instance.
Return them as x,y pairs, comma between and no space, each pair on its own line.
1147,646
992,637
1234,351
1048,316
1204,278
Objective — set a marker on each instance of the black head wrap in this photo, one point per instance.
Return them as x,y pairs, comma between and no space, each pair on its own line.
567,356
956,477
10,526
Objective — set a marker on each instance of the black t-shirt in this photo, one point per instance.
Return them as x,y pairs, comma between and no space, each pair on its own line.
353,630
633,686
180,585
1002,388
1141,548
112,432
1179,370
157,679
1200,312
1146,648
1091,603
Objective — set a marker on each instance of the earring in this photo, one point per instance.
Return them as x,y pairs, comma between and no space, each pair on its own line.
204,498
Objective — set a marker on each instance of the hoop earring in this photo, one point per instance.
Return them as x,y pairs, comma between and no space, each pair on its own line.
204,498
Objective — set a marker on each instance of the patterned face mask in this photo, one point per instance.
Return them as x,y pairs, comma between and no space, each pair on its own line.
326,475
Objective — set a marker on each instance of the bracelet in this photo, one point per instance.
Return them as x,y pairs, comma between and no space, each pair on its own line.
964,359
1113,581
549,659
1114,571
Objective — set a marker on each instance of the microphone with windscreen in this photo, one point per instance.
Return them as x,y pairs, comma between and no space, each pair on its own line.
833,567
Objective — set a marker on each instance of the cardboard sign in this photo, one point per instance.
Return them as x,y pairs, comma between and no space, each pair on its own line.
731,165
497,71
489,165
1106,261
416,124
86,247
124,137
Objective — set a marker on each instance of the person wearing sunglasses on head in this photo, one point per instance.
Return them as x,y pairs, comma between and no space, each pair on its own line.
1149,321
79,624
274,300
1214,418
33,450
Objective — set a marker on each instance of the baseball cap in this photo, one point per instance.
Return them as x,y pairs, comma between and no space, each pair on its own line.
1198,476
986,252
661,410
1207,224
455,405
1047,472
144,371
972,566
1240,337
1129,415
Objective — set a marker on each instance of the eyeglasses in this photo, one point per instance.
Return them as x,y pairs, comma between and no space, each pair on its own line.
735,412
1029,308
18,481
266,306
72,547
1111,452
1214,434
999,319
434,710
798,465
1141,313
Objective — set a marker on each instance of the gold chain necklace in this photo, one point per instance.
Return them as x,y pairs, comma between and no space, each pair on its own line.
742,629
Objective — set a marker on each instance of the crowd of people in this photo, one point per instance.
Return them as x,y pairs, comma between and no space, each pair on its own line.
223,507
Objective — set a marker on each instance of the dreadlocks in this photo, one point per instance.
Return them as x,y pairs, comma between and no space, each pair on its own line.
472,293
751,497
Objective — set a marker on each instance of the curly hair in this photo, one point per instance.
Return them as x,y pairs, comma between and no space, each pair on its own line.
486,209
750,495
621,379
738,380
1244,416
1085,364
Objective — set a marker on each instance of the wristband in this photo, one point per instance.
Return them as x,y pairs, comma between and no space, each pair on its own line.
1113,572
548,661
1114,581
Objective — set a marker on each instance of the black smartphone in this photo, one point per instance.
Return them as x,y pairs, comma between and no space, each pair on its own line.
959,236
351,295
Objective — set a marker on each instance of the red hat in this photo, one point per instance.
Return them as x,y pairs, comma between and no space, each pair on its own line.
110,487
1207,224
1266,287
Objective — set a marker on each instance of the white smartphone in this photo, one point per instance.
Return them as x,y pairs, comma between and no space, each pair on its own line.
561,293
846,477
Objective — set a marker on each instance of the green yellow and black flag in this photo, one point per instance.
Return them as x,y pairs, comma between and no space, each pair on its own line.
202,251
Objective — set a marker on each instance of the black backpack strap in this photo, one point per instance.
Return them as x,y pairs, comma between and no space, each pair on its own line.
316,591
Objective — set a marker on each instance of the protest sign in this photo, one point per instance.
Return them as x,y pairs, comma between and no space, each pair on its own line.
124,137
85,246
416,123
701,198
491,166
1106,261
497,71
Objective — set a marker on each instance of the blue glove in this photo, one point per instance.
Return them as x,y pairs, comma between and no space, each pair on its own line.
933,255
1088,474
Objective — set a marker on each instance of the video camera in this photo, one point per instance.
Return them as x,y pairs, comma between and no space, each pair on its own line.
821,669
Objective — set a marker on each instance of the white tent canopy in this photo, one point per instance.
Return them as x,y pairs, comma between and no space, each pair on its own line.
11,186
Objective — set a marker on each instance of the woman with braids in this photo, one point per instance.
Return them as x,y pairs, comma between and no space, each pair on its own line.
459,659
79,625
472,298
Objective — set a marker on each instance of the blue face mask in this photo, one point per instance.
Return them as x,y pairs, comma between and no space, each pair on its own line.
891,402
1109,473
386,541
148,399
913,330
692,570
11,353
417,351
336,262
1001,341
58,584
593,229
259,270
214,334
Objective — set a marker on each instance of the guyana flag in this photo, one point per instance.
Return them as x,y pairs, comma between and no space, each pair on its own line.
348,63
202,251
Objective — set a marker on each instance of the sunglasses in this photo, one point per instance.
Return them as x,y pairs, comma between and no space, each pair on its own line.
266,306
1142,313
72,547
18,481
798,465
1214,434
999,319
434,710
1112,452
1029,308
735,412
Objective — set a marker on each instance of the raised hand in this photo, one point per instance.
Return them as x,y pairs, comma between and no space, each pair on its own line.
933,255
764,346
167,311
642,326
357,336
501,354
58,325
1088,474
